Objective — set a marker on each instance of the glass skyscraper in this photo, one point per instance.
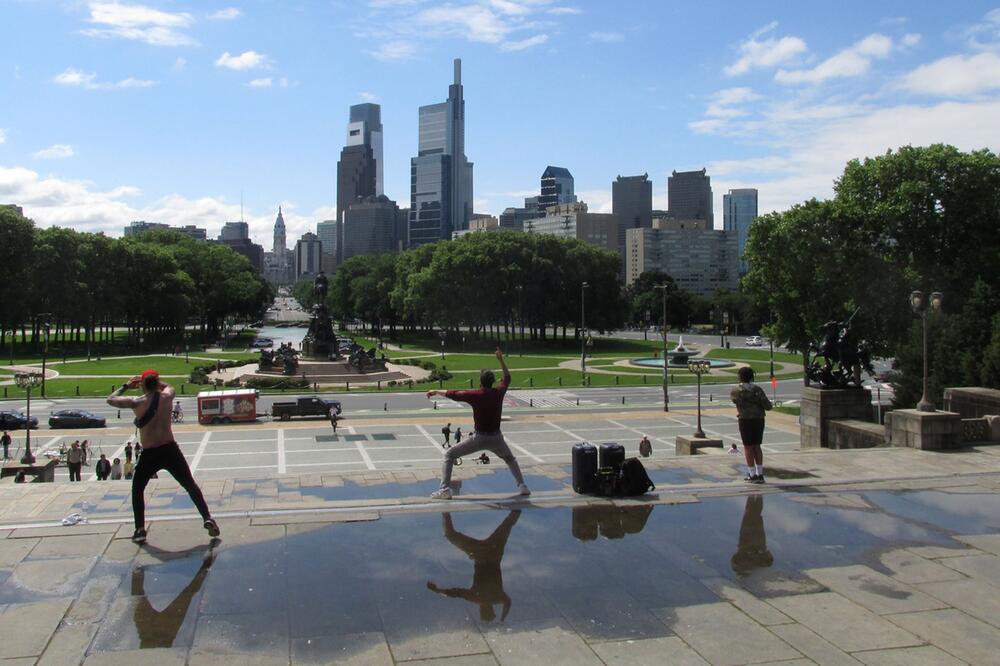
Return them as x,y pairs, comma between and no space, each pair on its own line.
556,187
739,209
440,174
689,196
359,171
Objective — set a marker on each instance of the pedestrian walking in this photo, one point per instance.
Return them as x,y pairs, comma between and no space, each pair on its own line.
103,468
446,431
333,419
5,441
128,469
487,408
116,470
751,404
83,448
645,447
160,450
138,451
128,451
458,435
74,461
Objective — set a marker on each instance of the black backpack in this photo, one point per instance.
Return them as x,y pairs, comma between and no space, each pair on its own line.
633,480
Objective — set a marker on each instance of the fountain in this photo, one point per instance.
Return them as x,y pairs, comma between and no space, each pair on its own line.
679,357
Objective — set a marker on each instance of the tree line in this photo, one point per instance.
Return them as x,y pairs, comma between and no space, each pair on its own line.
84,285
919,218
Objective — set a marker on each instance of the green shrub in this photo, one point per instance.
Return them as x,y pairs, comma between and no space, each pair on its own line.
277,383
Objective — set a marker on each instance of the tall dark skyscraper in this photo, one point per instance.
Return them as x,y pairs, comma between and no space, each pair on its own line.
689,196
632,206
359,171
440,174
557,187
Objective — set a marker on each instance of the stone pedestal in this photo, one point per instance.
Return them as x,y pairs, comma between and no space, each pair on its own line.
972,401
44,472
923,430
820,406
686,445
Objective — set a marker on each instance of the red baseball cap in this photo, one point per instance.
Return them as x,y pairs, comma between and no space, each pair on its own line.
149,373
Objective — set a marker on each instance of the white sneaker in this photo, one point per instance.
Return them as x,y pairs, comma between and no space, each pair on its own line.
441,493
523,490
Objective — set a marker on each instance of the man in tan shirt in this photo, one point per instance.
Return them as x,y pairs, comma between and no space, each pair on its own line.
159,449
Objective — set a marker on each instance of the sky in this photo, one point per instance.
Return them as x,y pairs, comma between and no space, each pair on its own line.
173,110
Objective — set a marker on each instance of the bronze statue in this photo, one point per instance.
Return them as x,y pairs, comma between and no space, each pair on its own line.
843,357
320,285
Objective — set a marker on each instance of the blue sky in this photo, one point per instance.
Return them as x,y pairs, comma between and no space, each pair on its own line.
167,110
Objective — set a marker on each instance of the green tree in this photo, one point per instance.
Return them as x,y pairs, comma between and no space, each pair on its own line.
17,251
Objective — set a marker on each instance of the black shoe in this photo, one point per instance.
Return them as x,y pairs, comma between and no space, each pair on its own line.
750,478
212,527
139,536
758,479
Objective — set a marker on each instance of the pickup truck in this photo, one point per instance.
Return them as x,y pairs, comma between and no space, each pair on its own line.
304,407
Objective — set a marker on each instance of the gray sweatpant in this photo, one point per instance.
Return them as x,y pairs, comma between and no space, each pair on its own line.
492,442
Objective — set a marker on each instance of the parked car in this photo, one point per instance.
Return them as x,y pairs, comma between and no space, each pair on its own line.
15,420
754,341
262,343
75,418
304,407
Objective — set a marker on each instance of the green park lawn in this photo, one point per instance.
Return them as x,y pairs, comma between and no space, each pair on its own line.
754,355
131,366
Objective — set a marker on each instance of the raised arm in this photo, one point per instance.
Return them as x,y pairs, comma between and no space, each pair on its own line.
117,399
503,366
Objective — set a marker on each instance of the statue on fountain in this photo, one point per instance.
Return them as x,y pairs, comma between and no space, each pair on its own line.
843,358
320,341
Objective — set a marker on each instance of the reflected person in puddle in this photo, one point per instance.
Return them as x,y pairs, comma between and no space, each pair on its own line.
752,552
159,628
487,578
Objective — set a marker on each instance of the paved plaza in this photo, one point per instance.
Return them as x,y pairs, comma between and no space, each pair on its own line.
255,451
331,552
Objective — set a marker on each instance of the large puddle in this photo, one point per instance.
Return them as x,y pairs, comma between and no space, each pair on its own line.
609,572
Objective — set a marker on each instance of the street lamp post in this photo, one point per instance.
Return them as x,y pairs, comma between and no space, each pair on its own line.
443,334
699,367
28,381
666,357
920,306
187,346
583,331
45,348
725,327
520,316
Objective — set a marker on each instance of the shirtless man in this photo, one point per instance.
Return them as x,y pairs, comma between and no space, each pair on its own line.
159,449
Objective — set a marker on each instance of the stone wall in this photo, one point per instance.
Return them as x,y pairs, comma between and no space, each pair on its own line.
972,401
854,434
819,407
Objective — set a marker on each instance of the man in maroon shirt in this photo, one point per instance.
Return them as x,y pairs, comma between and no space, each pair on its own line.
487,406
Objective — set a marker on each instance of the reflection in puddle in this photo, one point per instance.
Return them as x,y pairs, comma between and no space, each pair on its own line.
487,578
752,552
610,522
159,628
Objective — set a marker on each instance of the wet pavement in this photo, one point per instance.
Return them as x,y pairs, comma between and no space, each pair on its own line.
875,557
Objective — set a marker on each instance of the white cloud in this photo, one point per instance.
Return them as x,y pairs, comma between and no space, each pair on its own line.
395,51
986,34
524,43
910,39
244,61
367,96
724,104
756,53
227,14
476,23
53,201
260,83
607,37
956,76
509,7
564,11
58,151
808,157
88,81
852,61
138,22
179,64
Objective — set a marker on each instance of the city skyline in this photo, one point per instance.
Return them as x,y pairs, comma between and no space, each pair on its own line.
166,111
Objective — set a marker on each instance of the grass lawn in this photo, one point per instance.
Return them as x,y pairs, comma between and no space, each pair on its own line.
754,355
65,388
165,365
794,410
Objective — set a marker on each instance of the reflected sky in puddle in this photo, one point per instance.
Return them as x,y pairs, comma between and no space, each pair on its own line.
602,569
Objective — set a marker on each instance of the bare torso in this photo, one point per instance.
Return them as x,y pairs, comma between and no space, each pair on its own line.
158,431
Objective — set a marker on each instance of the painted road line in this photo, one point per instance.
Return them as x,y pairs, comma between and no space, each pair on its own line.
637,431
282,468
522,449
434,443
227,469
238,453
201,450
568,432
365,456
